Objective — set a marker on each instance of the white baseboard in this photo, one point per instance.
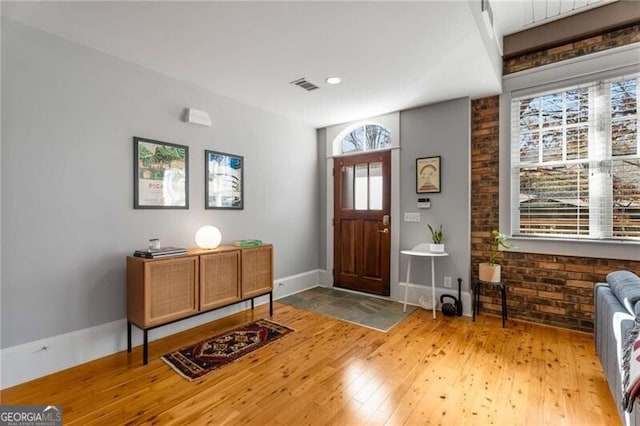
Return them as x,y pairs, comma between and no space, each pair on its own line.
35,359
28,361
324,278
296,283
467,309
397,293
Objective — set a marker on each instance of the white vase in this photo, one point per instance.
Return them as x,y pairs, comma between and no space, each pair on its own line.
489,273
436,248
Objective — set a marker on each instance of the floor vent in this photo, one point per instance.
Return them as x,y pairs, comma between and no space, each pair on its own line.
301,82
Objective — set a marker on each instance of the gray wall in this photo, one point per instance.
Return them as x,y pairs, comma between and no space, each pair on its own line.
69,115
439,129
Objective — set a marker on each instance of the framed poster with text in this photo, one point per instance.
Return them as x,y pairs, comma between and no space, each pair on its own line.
160,175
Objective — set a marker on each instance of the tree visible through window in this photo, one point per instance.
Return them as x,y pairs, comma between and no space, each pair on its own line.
576,161
366,138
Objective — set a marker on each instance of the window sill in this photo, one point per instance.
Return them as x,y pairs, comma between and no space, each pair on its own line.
605,249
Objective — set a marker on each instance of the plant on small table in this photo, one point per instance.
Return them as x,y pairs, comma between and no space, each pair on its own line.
499,240
436,237
490,271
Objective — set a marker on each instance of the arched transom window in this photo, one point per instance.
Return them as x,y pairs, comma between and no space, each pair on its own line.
367,137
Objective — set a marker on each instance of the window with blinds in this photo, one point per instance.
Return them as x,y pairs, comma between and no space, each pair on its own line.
575,161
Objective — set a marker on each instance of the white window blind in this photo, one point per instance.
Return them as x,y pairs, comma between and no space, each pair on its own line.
575,161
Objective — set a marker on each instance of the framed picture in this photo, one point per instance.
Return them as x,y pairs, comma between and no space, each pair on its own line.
160,175
428,175
224,181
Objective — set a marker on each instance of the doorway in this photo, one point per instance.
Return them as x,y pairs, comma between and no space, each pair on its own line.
362,223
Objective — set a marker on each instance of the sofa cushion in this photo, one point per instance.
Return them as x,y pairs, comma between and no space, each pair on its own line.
626,286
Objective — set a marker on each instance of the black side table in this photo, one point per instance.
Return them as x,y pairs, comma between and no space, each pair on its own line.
476,297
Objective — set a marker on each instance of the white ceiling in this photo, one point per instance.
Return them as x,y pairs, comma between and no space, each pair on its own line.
512,16
390,55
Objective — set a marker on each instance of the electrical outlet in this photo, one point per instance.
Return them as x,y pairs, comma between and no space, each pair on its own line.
447,282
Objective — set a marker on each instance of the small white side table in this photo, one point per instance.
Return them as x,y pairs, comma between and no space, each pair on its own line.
421,250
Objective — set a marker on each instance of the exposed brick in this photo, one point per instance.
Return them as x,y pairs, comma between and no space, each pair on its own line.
551,295
588,42
492,307
561,49
579,283
552,280
577,299
523,291
586,307
608,40
593,278
553,310
549,289
579,268
551,265
604,270
483,132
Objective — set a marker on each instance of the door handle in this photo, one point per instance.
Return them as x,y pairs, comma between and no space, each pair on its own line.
385,220
384,231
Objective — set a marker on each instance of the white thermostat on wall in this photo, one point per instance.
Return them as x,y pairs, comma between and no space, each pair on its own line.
424,203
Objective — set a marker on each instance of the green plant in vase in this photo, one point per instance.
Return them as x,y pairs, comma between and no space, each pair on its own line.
499,240
490,271
437,236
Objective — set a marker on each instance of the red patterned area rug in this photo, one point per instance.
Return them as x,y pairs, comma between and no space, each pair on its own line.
194,361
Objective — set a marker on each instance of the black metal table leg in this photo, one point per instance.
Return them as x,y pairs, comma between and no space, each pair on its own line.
503,290
145,347
129,336
270,303
475,301
503,297
252,303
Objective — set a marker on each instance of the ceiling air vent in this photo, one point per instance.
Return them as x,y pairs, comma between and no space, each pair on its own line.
301,82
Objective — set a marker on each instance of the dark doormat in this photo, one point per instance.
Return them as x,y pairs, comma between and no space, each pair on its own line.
367,311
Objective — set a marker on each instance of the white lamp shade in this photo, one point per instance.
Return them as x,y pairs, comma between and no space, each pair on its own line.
208,237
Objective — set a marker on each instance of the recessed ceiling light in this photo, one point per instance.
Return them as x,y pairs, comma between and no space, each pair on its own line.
332,80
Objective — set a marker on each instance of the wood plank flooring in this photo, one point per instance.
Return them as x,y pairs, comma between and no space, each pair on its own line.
446,371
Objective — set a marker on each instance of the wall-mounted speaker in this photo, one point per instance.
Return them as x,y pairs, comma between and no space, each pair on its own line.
196,116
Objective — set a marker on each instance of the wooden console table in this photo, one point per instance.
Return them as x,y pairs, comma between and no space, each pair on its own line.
166,290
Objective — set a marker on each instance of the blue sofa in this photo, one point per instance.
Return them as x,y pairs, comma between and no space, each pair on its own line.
616,305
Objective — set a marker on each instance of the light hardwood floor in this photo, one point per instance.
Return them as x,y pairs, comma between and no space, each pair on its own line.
446,371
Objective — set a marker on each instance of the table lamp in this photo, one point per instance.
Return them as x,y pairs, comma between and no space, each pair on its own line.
208,237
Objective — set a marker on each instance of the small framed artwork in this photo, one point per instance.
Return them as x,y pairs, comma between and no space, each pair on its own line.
224,180
160,175
428,175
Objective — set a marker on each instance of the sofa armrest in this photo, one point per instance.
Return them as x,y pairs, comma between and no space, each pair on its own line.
612,320
626,286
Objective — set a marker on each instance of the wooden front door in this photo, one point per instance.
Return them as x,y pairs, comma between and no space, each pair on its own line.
362,225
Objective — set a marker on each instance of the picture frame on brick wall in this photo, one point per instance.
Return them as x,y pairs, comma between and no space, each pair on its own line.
428,175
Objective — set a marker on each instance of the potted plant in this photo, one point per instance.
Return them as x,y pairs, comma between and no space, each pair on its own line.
490,271
436,237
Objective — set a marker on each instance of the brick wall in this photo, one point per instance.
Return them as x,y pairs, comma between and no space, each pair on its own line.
548,289
608,40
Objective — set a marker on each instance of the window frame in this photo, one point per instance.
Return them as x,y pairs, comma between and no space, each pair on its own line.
337,145
598,66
